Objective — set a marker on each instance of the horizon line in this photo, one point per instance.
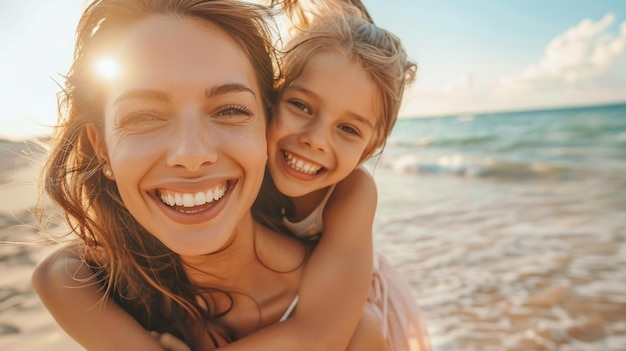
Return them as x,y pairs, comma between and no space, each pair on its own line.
519,110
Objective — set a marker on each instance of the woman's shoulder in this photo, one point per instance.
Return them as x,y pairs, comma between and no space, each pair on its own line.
66,266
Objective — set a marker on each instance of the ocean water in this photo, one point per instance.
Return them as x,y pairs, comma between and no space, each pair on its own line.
510,227
522,145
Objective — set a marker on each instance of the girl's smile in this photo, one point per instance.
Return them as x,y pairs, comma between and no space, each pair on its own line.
301,167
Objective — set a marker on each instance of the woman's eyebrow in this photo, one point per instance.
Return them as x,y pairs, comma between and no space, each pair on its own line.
142,94
158,95
227,88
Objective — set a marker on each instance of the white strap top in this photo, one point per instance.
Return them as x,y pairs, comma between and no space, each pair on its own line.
311,226
290,309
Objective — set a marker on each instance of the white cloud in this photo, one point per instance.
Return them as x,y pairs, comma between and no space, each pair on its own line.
584,65
585,56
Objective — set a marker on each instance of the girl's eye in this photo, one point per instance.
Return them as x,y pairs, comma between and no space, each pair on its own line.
349,129
300,106
234,110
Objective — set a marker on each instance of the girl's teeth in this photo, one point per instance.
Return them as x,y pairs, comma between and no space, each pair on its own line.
300,165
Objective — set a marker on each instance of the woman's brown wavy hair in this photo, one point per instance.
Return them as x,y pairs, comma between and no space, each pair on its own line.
143,276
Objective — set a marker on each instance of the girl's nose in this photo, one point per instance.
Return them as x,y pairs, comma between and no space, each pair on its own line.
316,136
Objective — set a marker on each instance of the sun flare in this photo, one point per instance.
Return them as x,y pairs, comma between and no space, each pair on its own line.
107,68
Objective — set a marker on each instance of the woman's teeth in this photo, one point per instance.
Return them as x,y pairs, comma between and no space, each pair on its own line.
200,198
300,165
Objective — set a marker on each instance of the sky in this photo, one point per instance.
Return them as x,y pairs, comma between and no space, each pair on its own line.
473,56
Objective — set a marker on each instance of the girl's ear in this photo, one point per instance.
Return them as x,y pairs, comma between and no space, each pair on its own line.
99,147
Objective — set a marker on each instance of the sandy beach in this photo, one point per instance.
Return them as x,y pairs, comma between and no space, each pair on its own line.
25,324
495,264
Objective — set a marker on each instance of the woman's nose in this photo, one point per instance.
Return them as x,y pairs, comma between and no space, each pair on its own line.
191,144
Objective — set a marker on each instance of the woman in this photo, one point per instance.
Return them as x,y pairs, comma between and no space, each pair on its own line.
156,165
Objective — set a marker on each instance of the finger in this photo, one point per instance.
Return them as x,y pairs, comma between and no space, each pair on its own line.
172,343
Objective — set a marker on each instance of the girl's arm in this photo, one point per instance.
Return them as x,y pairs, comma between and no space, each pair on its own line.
67,288
336,279
332,294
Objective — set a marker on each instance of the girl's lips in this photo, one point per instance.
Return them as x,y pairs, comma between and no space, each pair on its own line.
289,163
300,164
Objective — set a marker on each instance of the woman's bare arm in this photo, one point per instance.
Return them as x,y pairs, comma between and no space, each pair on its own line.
66,286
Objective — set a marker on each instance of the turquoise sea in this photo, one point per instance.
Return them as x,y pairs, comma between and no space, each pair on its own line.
556,144
511,227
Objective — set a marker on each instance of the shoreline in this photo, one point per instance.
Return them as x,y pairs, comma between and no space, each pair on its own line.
25,324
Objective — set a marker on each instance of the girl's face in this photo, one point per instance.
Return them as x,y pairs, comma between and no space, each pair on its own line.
324,125
184,132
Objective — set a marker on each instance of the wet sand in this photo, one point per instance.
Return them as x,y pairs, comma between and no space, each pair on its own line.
510,265
494,265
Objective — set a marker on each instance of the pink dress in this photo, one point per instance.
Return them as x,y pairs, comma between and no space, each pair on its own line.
390,297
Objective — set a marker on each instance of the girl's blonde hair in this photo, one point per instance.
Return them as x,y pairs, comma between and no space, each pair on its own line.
332,25
144,276
347,27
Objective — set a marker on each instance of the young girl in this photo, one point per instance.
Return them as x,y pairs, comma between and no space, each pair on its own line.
340,94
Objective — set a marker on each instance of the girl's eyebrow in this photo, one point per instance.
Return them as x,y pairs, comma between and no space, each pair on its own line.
302,90
362,119
151,94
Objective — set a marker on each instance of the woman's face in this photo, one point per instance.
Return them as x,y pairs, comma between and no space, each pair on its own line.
184,132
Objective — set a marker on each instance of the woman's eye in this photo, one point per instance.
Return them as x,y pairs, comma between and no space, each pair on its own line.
140,117
234,110
300,106
349,129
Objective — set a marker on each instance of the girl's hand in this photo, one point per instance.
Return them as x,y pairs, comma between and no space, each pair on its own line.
170,342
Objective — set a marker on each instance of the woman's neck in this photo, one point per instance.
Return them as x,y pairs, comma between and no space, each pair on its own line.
261,270
224,267
251,263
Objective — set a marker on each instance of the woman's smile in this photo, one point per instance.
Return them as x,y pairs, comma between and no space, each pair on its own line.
193,207
185,200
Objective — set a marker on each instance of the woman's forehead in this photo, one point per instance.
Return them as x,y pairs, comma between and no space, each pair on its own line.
161,48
